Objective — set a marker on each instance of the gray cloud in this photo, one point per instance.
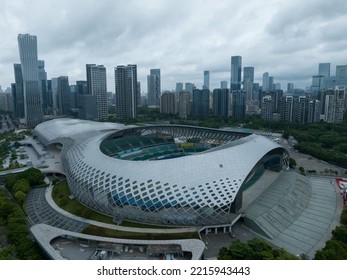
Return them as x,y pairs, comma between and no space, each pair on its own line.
183,38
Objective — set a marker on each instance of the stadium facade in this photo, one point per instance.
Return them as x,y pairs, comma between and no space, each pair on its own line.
160,174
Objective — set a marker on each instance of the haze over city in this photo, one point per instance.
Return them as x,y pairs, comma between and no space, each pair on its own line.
286,39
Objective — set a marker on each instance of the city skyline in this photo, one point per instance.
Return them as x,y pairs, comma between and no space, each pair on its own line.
288,43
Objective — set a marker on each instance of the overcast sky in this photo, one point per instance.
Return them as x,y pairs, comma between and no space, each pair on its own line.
183,38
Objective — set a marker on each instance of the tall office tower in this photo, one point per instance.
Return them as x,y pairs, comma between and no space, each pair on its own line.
97,85
248,80
63,96
139,103
73,98
316,83
87,108
223,84
324,69
189,86
153,87
126,91
221,102
266,108
184,103
54,89
290,88
43,85
313,111
27,45
235,73
168,103
265,86
334,105
19,92
287,108
179,87
49,95
271,83
81,87
238,104
206,80
201,102
341,72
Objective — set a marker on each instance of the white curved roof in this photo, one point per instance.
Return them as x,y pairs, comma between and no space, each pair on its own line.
207,180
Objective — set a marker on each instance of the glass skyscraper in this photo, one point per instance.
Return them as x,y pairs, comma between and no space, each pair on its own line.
235,79
27,45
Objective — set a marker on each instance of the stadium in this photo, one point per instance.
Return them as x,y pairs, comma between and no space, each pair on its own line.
160,174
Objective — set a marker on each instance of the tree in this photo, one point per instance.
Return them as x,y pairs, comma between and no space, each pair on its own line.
340,233
333,250
34,176
292,163
20,197
21,185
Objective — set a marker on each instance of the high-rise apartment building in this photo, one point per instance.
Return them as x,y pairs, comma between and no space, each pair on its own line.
335,105
184,103
206,80
153,87
168,103
27,45
235,73
287,108
266,108
126,91
97,85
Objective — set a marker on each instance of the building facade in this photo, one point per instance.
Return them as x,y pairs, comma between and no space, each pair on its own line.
126,91
97,85
33,113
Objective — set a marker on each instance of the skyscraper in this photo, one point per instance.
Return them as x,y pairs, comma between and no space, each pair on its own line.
63,95
43,84
126,91
324,69
168,103
201,102
206,80
97,85
266,108
235,73
265,86
248,80
27,45
18,97
153,87
239,104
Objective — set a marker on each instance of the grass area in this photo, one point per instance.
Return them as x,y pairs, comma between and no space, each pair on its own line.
94,230
60,195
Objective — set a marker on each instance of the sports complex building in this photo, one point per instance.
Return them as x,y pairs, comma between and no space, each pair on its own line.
160,174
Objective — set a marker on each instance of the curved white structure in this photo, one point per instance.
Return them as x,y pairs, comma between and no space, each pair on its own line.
202,188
